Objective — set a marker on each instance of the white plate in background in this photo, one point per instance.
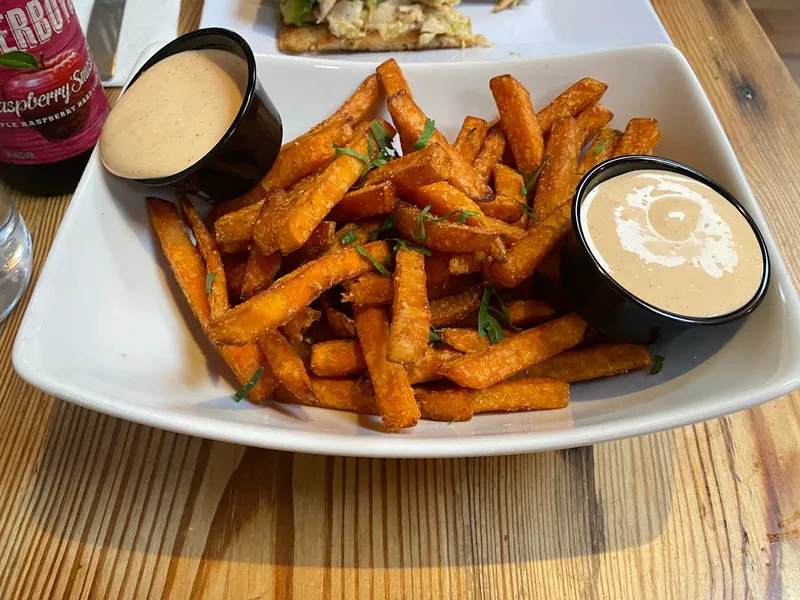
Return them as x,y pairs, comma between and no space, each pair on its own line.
107,329
534,29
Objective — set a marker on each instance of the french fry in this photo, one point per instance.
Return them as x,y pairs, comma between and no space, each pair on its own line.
321,240
521,394
234,248
237,226
557,180
292,292
308,153
215,272
444,403
411,316
368,201
361,231
340,324
393,393
524,313
470,137
413,170
463,339
427,367
220,209
603,148
510,356
519,121
509,183
437,275
571,101
464,263
443,236
592,119
445,199
550,265
260,272
288,226
371,289
286,365
337,358
640,137
362,102
190,273
504,209
509,233
524,256
490,154
603,360
410,122
235,266
392,78
337,394
295,328
451,309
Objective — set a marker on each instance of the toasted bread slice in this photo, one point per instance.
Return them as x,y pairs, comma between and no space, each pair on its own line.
318,39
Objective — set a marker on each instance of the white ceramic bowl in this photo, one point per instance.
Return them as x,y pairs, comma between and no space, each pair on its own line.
107,329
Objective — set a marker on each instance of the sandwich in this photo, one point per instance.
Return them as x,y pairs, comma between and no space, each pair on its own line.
373,26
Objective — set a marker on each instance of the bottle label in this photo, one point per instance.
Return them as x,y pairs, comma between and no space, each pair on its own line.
52,105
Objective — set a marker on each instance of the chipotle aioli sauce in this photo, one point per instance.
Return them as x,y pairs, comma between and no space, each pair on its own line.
673,242
174,114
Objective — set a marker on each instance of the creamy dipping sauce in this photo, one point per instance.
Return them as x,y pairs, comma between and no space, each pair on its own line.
673,242
174,114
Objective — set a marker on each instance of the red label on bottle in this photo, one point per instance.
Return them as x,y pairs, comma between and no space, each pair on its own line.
52,105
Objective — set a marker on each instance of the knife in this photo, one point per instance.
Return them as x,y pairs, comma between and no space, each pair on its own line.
102,34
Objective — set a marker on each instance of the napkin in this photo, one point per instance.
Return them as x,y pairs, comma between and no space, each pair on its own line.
143,23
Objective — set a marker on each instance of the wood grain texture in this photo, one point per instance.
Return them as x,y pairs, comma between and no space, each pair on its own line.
96,507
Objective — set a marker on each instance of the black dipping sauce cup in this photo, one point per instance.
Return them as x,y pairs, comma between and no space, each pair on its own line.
244,155
603,303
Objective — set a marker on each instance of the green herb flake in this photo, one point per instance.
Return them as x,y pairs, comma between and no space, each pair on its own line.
387,224
382,137
470,132
210,277
658,364
408,246
242,392
344,150
530,181
421,223
461,217
487,321
528,211
427,132
348,237
375,262
434,337
600,147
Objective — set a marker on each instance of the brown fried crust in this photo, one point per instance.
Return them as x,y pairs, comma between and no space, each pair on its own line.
318,39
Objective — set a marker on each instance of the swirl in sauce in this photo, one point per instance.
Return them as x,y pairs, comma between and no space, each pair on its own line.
673,242
174,114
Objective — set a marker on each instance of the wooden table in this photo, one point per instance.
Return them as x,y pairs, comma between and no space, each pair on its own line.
92,506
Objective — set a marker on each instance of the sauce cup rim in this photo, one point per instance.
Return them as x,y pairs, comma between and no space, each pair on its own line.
625,164
177,46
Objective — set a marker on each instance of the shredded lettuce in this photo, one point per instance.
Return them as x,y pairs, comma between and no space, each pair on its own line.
297,12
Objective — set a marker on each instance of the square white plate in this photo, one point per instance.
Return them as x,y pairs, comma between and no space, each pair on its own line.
107,329
534,29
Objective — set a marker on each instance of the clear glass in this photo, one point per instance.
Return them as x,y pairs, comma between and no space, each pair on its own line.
15,254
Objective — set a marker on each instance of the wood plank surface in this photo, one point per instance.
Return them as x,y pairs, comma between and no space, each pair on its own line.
96,507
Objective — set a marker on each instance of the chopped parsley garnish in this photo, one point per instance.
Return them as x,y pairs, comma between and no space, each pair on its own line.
461,217
487,322
658,364
600,147
383,138
387,224
210,277
375,262
425,136
530,181
470,132
340,150
408,246
348,237
385,154
528,211
242,392
433,336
